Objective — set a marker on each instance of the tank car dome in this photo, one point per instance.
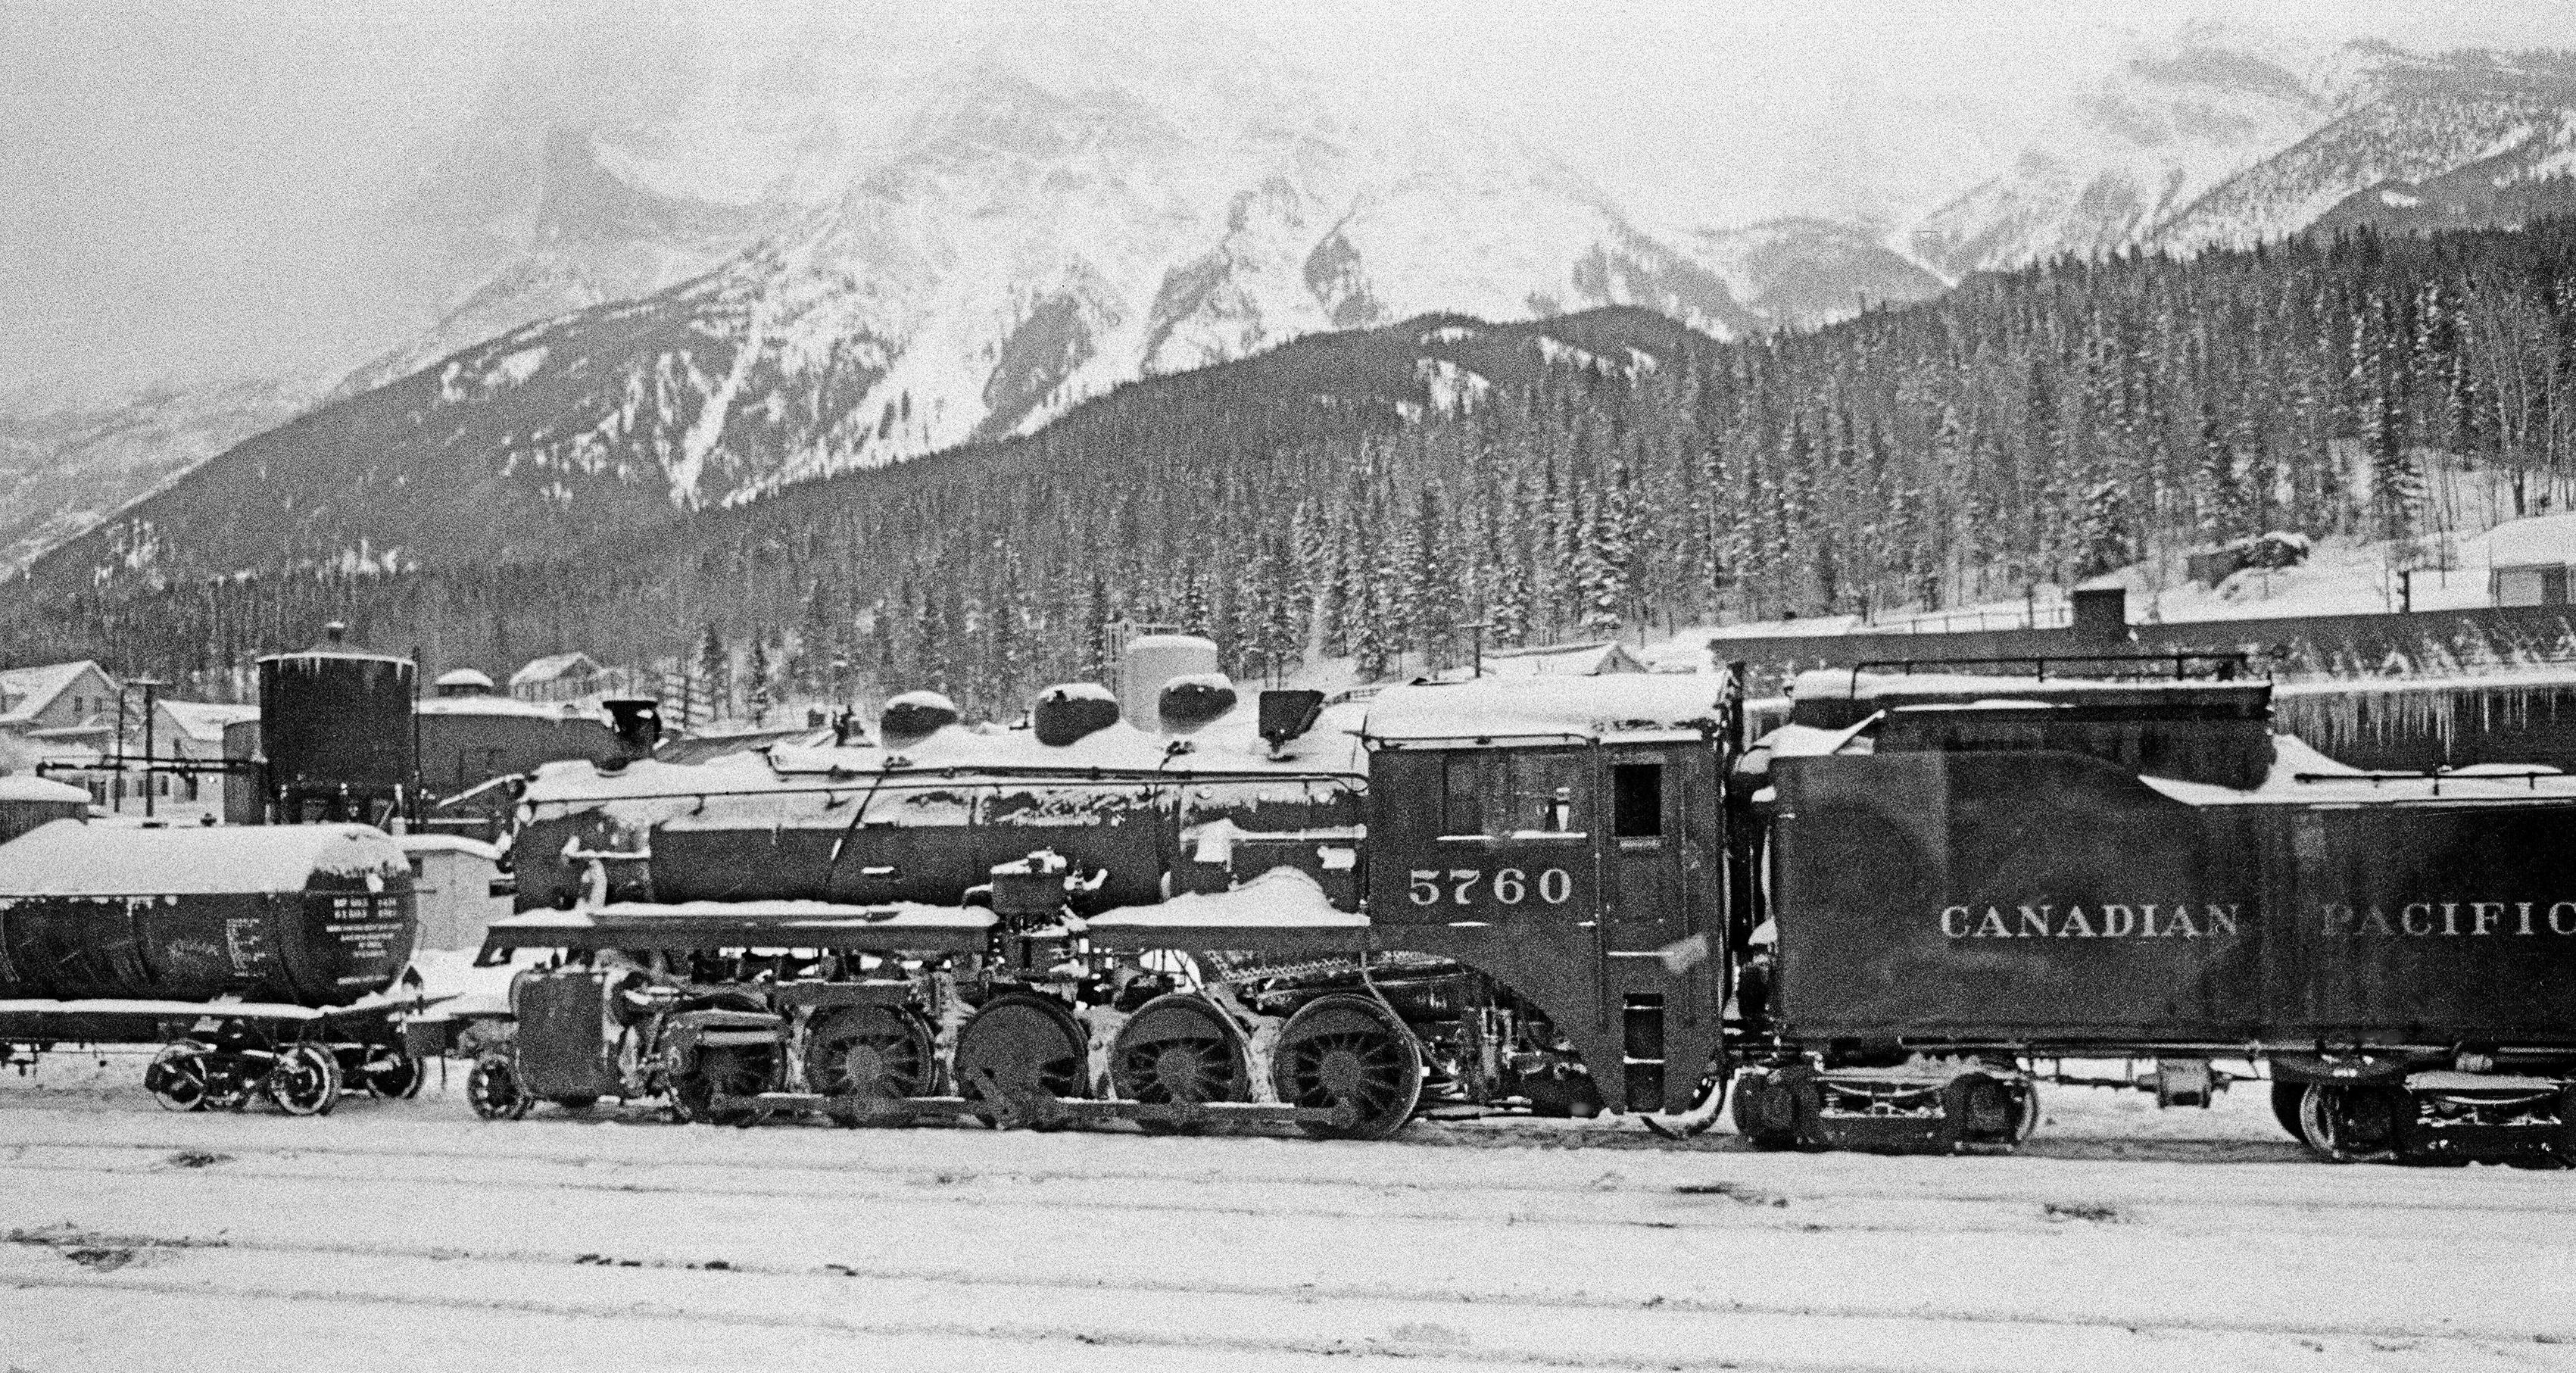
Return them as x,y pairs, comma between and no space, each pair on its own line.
463,681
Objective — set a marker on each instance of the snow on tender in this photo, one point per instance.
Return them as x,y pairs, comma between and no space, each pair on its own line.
82,858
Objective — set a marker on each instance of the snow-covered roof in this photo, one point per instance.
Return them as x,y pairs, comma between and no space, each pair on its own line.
76,858
1557,660
26,691
554,667
447,843
17,788
1626,704
498,705
462,681
205,720
2540,541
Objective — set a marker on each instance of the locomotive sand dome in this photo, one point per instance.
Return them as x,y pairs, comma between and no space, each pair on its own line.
309,915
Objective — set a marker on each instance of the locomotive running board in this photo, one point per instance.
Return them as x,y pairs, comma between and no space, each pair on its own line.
1043,1111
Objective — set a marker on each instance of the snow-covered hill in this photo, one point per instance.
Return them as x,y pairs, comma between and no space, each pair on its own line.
67,462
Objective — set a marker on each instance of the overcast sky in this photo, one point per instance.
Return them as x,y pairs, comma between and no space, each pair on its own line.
210,189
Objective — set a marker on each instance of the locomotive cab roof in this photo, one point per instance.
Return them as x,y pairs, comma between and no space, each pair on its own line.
1628,707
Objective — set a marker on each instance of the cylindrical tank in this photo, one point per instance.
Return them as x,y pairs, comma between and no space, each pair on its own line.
336,724
1152,660
316,915
26,802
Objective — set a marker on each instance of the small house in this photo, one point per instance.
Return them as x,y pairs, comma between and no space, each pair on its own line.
556,677
2526,560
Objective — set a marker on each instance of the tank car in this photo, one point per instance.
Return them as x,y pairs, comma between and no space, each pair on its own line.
1950,876
1493,893
258,954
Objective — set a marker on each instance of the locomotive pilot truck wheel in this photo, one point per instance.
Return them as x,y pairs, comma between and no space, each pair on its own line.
1351,1054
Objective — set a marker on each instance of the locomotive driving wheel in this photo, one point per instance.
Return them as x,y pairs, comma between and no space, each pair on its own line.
1025,1048
305,1081
177,1077
1707,1103
1179,1050
1351,1054
877,1052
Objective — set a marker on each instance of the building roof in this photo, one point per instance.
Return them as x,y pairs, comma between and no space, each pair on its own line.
26,691
2540,541
204,721
554,667
463,680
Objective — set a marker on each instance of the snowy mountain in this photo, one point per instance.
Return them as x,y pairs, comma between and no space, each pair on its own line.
68,463
2227,138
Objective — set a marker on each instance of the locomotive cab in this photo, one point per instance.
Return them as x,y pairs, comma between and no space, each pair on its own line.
1566,839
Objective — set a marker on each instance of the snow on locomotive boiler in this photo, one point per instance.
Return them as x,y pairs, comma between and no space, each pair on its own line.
1480,893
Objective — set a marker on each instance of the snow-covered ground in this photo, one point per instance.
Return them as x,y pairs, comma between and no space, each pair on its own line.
411,1236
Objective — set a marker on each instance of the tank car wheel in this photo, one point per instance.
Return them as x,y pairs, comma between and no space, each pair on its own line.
177,1077
395,1077
876,1052
305,1081
1349,1052
492,1088
1179,1049
723,1071
1026,1046
2286,1097
2351,1124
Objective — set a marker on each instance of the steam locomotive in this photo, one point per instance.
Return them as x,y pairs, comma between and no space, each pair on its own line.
1561,895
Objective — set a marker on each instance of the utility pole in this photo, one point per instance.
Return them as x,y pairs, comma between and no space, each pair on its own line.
1476,641
149,685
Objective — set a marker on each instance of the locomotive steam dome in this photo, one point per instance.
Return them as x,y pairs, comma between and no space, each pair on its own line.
316,915
914,716
1072,711
1194,701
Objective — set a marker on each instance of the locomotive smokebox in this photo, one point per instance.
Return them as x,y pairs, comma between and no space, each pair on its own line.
638,726
336,726
316,915
914,716
1072,711
1194,702
1153,660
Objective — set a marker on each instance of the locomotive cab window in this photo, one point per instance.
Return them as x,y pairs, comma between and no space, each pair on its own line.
1637,800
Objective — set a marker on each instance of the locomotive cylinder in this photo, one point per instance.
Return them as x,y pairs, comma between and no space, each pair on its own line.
314,915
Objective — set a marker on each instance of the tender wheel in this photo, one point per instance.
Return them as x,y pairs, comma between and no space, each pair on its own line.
177,1077
1179,1049
1979,1108
1028,1048
724,1071
492,1088
2286,1097
396,1076
2351,1124
1349,1053
305,1080
877,1052
1766,1110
